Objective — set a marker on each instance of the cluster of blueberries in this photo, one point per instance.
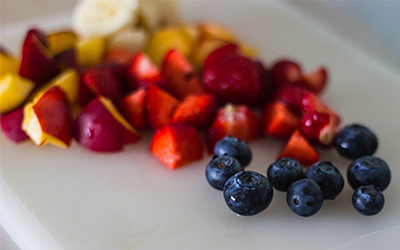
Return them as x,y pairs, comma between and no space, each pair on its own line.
248,193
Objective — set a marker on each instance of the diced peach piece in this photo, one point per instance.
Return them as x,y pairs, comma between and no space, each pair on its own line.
90,52
13,91
8,64
61,41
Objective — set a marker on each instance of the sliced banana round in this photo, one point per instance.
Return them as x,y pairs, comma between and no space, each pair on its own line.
95,18
157,14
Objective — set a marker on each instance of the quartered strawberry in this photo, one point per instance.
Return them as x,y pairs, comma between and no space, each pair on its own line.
196,110
177,145
291,97
160,107
279,121
311,102
237,121
315,80
180,79
233,79
134,108
143,73
220,53
318,127
286,72
299,149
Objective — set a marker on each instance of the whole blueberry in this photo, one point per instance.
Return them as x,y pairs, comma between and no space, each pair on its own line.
355,141
328,178
220,169
235,148
304,197
248,193
284,172
369,170
368,200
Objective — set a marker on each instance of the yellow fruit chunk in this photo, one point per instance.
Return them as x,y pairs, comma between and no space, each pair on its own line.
61,41
165,40
67,81
90,52
8,64
215,31
203,49
248,51
13,91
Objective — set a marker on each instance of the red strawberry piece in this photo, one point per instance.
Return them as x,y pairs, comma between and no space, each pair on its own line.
266,87
315,80
279,121
311,102
233,79
318,127
237,121
291,96
102,81
160,107
180,79
11,125
177,145
286,72
220,53
134,109
198,111
299,149
143,73
119,55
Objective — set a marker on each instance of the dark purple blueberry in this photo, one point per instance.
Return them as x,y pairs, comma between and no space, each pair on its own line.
304,197
284,172
248,193
328,178
220,169
369,170
368,200
235,148
355,141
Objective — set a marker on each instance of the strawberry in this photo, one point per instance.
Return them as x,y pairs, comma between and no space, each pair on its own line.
119,55
311,102
266,87
198,111
180,79
299,149
291,97
220,53
279,121
143,73
237,121
286,72
134,108
160,107
177,145
315,80
233,79
318,127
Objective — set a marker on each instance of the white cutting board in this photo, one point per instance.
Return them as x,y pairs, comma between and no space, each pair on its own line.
75,199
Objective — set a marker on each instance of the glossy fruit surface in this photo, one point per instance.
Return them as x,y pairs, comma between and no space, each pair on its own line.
369,170
355,141
248,193
368,200
220,169
283,172
305,197
328,178
234,147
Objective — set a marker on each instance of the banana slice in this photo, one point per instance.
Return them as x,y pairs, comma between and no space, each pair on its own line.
101,18
157,14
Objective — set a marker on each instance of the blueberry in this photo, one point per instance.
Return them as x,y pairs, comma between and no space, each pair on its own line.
248,193
368,200
369,170
328,178
304,197
220,169
284,172
235,148
355,141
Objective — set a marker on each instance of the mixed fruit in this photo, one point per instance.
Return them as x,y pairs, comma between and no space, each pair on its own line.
197,87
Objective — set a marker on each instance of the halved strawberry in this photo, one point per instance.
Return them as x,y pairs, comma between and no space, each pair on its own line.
180,79
279,121
160,107
299,149
143,73
315,80
311,102
233,79
220,53
318,127
237,121
286,72
134,108
177,145
291,97
196,110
